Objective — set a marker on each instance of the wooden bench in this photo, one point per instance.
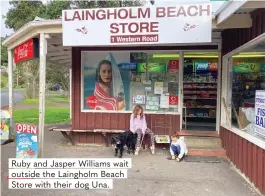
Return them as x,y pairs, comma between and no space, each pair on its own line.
68,133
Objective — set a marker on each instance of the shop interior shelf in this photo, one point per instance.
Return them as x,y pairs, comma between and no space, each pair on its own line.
198,98
201,117
201,107
200,82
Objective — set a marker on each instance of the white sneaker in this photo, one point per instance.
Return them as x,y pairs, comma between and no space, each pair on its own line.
136,151
152,150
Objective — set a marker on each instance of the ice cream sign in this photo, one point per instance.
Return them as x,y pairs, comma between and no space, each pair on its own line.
26,141
206,66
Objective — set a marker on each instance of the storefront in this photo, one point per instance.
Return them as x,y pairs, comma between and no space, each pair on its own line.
242,127
182,75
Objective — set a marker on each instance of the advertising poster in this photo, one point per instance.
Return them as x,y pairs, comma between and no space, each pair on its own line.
246,67
173,66
5,124
26,141
158,88
260,113
152,67
106,85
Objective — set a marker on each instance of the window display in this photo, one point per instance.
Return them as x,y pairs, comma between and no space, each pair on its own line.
116,81
247,78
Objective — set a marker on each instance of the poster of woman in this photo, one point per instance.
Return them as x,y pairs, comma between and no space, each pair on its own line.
108,92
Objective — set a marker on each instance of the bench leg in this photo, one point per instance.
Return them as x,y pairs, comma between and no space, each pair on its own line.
68,137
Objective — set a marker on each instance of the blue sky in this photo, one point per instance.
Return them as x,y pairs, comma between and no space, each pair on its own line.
5,6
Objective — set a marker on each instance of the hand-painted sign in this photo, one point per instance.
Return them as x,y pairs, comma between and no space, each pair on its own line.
27,50
26,141
5,124
137,25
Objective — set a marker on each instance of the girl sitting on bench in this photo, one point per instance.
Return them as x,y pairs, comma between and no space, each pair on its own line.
138,125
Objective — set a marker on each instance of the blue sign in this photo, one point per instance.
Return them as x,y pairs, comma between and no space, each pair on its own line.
202,66
26,141
130,66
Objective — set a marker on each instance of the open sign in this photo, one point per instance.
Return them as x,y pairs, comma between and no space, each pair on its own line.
24,128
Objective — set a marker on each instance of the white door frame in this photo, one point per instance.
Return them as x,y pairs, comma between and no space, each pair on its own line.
218,102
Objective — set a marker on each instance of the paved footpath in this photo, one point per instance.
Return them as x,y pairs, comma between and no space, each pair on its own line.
151,175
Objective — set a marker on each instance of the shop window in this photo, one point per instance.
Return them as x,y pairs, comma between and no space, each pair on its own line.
247,77
116,81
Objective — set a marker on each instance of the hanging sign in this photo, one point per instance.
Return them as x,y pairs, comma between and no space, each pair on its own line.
137,25
26,141
5,124
260,113
27,50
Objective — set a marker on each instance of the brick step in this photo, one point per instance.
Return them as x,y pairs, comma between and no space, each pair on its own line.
207,152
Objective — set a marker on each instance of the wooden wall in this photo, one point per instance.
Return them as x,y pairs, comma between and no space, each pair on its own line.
234,38
247,157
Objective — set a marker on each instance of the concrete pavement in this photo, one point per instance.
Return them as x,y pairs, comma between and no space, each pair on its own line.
151,175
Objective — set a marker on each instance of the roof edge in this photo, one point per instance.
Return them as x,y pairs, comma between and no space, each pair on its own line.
29,26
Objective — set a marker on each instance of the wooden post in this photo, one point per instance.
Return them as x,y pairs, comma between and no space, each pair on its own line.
12,133
43,52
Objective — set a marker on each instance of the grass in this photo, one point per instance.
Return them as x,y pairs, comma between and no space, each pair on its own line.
61,98
52,115
34,101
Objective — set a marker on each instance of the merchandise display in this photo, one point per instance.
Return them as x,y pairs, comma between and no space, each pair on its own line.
247,77
200,92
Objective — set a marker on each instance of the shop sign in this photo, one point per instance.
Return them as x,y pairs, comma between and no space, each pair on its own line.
152,67
5,124
202,66
137,25
129,66
27,50
26,141
246,67
213,66
173,66
260,113
173,100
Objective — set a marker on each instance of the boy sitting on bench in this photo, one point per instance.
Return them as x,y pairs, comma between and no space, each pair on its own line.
178,148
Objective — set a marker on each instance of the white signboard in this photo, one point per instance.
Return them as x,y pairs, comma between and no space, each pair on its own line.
137,25
260,113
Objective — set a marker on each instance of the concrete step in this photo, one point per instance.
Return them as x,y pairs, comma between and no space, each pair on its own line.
202,142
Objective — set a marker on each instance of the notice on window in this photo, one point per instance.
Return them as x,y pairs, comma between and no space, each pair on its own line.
158,88
164,101
260,113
